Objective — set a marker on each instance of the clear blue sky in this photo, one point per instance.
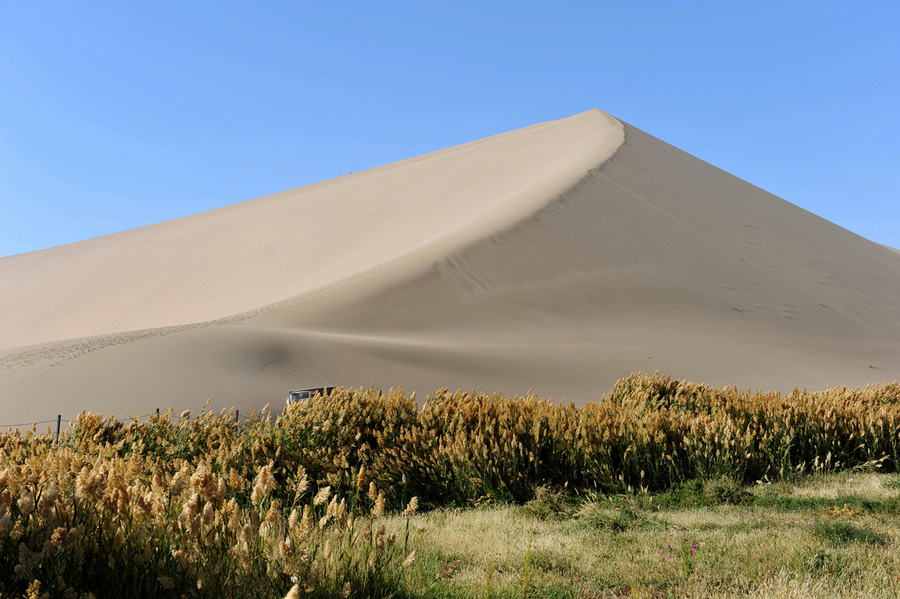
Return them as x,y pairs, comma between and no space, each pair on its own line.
121,114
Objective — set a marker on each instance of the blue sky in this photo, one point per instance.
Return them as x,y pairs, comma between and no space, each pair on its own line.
121,114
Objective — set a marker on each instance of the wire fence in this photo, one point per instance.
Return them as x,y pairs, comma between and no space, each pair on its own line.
58,420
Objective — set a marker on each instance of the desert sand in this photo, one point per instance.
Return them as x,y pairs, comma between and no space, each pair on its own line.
557,258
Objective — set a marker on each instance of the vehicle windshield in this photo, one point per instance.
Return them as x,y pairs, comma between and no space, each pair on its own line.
301,394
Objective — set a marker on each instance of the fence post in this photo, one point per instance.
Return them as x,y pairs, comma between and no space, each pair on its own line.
157,413
58,421
237,414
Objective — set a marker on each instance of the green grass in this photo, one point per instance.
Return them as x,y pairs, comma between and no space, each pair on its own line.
843,533
639,545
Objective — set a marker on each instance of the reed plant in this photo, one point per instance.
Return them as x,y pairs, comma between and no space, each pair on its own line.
101,515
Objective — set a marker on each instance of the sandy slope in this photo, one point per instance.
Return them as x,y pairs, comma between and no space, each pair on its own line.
219,263
557,258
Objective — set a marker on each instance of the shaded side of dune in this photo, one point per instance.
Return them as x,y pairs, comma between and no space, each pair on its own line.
655,260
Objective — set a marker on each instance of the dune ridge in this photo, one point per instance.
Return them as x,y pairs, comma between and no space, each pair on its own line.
622,254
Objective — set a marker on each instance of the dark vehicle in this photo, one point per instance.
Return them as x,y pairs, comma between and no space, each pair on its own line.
301,394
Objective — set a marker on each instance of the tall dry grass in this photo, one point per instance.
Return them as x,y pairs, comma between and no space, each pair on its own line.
184,507
217,508
649,432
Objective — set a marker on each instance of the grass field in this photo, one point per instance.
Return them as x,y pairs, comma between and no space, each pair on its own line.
662,489
819,536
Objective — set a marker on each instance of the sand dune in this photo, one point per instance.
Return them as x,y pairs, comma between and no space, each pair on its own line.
248,255
557,258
